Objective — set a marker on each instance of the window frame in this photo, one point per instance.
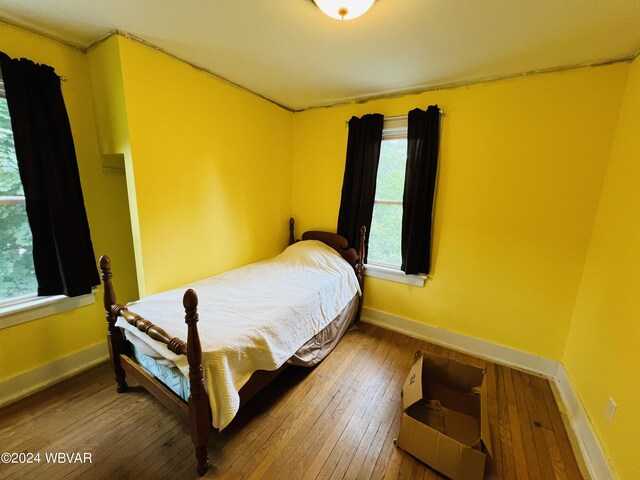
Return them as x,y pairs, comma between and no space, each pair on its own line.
17,310
394,128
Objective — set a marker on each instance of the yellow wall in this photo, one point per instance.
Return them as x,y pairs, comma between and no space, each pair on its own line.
602,354
112,128
30,345
211,164
521,168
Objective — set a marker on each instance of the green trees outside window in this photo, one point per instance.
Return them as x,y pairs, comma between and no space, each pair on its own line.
17,275
386,225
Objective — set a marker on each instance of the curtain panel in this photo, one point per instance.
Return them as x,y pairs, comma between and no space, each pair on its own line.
62,249
423,139
360,172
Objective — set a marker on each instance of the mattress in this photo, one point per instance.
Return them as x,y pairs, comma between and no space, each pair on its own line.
252,318
172,377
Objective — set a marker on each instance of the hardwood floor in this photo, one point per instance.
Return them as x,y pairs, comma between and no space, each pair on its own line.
338,420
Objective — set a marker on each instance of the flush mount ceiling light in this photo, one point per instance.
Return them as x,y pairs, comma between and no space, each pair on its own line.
344,9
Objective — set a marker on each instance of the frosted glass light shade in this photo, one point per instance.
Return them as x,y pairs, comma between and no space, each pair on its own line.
344,9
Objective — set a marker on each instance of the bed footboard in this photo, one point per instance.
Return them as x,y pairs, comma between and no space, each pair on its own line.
199,412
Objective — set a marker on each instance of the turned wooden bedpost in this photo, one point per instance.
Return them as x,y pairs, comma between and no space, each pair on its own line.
115,340
292,238
199,410
363,234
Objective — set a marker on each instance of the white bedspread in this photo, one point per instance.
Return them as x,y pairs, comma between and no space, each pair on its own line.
252,318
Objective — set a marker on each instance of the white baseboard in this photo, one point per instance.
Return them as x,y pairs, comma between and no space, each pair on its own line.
29,382
594,457
463,343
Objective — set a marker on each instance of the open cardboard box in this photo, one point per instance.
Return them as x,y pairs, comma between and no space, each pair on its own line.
444,422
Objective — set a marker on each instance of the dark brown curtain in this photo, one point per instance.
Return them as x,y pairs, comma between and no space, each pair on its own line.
423,138
62,250
359,183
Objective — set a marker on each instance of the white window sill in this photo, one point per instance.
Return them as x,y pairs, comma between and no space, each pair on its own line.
393,275
31,308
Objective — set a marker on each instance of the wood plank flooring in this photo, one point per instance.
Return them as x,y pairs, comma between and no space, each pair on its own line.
338,420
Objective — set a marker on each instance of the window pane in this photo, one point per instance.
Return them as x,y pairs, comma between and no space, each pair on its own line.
393,162
9,177
386,228
17,275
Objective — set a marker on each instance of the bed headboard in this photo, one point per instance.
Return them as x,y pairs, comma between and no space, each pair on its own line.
339,244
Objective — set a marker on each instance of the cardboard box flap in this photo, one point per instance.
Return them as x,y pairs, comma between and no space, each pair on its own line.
484,423
412,389
444,454
472,464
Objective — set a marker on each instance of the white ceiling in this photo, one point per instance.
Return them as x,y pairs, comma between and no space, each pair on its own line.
291,53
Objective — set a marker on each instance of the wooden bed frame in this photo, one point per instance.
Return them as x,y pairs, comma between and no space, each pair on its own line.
197,411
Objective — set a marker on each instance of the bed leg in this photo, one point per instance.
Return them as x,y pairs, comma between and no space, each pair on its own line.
199,409
116,346
115,341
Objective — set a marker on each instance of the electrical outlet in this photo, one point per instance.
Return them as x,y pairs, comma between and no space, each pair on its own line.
610,411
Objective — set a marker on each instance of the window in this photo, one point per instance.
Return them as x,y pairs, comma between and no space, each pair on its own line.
17,275
386,225
385,238
43,119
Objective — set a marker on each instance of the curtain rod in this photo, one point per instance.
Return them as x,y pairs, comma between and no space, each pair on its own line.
400,117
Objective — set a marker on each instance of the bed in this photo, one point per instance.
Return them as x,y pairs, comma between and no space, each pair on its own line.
255,321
